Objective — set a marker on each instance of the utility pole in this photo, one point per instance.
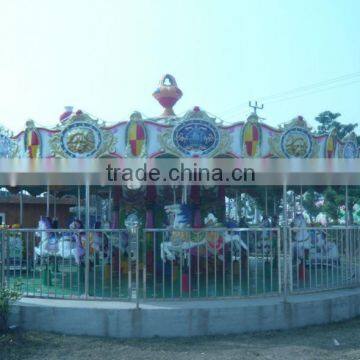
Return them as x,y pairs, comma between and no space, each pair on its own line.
255,106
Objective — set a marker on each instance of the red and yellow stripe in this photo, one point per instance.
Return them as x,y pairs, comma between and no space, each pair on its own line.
330,147
251,139
136,137
33,143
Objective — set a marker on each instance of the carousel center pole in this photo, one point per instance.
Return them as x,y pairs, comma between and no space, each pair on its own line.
110,205
48,200
266,201
54,204
78,202
347,205
21,208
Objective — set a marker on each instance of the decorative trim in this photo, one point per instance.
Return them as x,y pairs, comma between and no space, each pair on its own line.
330,145
196,135
82,137
254,142
8,146
32,141
296,141
136,146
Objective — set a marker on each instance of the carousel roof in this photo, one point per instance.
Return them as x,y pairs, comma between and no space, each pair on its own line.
195,134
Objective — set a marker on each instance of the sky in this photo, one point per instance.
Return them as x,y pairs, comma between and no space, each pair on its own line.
106,57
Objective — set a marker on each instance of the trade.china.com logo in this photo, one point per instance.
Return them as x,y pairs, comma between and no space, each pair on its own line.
181,173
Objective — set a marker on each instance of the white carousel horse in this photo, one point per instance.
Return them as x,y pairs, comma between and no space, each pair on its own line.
320,250
180,240
48,244
67,246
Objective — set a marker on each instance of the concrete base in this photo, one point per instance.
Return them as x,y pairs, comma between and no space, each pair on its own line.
184,318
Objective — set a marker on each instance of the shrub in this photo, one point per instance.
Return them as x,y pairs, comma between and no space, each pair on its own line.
7,297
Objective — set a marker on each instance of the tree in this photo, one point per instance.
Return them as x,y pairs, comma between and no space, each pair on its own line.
331,204
353,198
309,203
327,120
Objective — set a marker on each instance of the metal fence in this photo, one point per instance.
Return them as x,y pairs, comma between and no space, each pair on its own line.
65,263
173,264
324,258
206,263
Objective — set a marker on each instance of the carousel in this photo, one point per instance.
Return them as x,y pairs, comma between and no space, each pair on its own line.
172,241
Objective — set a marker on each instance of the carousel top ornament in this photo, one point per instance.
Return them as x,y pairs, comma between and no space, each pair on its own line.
66,114
167,94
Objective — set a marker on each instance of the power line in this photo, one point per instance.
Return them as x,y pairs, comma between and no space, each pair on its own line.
314,91
300,89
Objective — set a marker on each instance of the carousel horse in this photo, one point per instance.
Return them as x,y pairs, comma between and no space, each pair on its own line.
179,241
182,242
79,239
100,241
302,241
66,246
265,237
217,242
313,243
48,244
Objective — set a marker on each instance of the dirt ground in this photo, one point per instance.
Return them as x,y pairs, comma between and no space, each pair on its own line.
335,341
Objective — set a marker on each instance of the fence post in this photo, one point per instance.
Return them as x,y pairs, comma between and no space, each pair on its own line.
137,268
285,268
290,270
87,244
278,234
288,283
2,260
132,224
347,240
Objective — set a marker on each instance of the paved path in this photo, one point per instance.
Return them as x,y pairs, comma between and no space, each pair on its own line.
335,341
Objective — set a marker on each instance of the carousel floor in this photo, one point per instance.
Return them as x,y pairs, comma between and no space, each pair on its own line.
257,279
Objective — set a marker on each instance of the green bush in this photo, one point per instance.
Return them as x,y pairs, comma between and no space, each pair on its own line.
7,297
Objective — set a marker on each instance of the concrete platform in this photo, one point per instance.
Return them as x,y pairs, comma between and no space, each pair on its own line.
184,318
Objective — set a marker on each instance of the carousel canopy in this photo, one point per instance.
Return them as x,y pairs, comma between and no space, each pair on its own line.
196,134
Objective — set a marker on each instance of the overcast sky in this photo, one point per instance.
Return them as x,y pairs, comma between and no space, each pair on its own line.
106,57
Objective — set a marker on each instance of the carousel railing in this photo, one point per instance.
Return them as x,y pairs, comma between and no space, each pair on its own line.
67,263
179,263
211,262
323,258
